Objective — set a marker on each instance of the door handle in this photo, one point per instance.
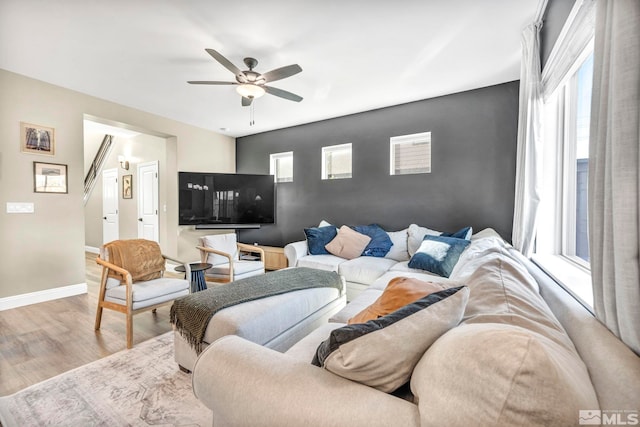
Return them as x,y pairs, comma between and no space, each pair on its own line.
139,219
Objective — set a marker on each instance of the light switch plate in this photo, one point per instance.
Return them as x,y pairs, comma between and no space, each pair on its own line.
19,207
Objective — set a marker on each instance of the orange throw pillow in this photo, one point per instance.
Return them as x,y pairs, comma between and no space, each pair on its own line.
399,292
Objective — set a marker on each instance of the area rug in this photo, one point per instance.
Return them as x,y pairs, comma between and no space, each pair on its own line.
138,387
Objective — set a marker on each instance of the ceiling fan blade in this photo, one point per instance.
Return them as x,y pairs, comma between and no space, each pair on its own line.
282,93
246,101
205,82
225,62
281,73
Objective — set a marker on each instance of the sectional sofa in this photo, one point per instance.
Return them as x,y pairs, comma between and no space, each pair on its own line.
361,272
522,352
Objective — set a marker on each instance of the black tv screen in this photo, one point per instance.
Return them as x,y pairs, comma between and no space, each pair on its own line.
225,199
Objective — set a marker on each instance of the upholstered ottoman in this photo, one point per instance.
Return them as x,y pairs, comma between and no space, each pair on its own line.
276,322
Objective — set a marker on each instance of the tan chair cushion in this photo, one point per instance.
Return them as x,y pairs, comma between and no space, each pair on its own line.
399,292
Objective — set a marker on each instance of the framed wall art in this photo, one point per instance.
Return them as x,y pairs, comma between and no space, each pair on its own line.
36,139
127,186
50,178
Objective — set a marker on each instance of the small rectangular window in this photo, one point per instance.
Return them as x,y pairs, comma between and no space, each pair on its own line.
281,166
336,161
410,154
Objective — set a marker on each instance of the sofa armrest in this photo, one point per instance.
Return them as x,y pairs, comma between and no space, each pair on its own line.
244,383
294,251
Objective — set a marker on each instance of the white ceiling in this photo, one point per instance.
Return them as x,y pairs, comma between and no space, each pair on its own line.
356,55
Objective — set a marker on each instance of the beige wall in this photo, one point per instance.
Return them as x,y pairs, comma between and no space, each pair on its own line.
45,250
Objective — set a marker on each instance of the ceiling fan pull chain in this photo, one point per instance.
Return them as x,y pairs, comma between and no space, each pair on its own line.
252,120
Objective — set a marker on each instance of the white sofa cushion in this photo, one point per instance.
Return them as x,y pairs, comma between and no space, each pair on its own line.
355,306
383,280
365,269
306,348
404,268
321,262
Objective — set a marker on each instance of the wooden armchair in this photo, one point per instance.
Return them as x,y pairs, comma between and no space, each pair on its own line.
132,280
224,253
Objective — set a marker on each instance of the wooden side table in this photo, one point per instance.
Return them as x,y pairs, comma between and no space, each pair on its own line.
274,258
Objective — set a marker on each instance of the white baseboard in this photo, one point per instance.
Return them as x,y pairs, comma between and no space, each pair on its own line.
21,300
92,250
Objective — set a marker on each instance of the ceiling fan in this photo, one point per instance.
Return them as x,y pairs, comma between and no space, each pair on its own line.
251,84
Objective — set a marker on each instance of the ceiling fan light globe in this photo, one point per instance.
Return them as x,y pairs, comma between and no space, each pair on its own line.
250,90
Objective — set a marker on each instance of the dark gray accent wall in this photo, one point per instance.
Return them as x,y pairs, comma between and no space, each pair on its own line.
555,15
472,181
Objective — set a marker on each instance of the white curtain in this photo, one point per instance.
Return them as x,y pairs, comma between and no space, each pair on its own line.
529,151
614,170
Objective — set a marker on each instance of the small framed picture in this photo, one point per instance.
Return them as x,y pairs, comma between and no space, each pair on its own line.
127,187
36,139
50,178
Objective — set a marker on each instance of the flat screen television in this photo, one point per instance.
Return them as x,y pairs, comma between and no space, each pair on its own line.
216,200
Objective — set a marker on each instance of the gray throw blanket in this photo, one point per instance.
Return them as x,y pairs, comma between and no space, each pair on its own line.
191,314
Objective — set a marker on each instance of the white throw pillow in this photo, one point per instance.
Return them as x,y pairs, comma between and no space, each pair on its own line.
398,251
416,236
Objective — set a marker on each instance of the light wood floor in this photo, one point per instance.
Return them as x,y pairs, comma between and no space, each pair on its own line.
43,340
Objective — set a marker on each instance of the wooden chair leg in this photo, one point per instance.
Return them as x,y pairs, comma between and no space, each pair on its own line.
98,317
129,330
103,290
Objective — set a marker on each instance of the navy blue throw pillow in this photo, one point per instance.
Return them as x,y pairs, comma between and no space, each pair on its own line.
438,254
380,243
463,233
318,237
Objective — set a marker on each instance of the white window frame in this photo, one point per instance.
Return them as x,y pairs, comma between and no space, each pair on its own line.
273,168
330,149
569,159
572,47
416,138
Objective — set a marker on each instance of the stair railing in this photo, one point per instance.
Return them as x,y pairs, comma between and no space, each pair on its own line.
96,166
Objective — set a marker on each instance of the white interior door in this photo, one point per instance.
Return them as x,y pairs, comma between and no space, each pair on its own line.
110,217
148,224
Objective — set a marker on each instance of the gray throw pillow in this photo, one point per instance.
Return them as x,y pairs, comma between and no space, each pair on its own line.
382,353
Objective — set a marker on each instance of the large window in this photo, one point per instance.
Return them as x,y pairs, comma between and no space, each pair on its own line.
336,161
577,111
281,166
410,154
562,241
